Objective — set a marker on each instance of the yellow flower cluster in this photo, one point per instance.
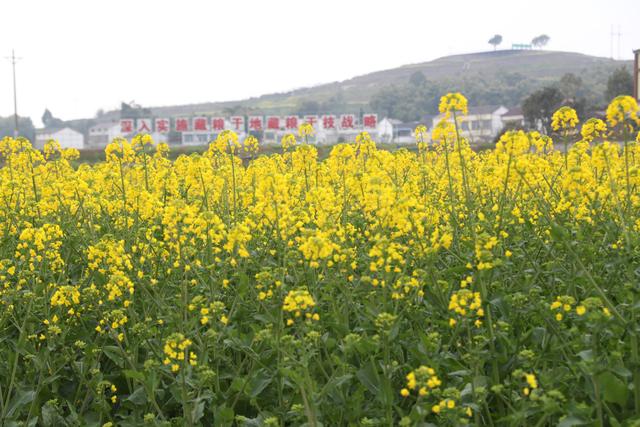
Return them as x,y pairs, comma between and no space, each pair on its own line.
250,144
53,151
226,142
562,304
113,322
139,142
305,130
288,141
592,129
566,304
40,245
443,405
421,135
364,143
466,304
453,103
422,379
208,310
317,246
623,108
176,352
405,285
109,256
120,151
299,302
565,118
65,296
532,383
266,284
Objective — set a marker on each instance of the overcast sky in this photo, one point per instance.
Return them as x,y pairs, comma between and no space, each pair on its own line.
79,56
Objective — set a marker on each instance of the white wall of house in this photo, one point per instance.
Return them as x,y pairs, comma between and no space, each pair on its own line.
496,120
393,131
518,119
404,136
102,134
385,130
66,137
479,126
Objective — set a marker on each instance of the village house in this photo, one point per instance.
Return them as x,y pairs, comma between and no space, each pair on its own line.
513,118
66,137
392,131
103,133
480,123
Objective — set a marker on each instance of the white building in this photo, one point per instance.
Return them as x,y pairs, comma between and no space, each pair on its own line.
198,138
386,129
481,123
103,133
514,117
67,137
393,131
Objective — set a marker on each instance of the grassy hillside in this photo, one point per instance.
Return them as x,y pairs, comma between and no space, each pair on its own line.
520,71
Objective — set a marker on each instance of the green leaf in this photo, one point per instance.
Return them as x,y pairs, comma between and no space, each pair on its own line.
114,353
460,373
50,415
138,397
223,416
134,375
558,233
369,377
613,389
571,421
259,382
197,412
22,398
621,371
290,373
586,355
237,384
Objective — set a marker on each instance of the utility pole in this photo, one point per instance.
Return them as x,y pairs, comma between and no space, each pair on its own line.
611,42
619,35
13,60
613,36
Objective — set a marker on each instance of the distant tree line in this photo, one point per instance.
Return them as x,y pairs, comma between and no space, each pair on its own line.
570,90
25,126
419,97
334,104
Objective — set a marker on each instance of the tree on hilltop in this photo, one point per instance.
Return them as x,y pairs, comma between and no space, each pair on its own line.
540,41
495,41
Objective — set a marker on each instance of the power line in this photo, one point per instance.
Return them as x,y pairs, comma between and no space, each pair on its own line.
13,59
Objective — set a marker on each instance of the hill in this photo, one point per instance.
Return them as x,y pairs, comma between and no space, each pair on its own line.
504,76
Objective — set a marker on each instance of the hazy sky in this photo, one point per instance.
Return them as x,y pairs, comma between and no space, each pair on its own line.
79,56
